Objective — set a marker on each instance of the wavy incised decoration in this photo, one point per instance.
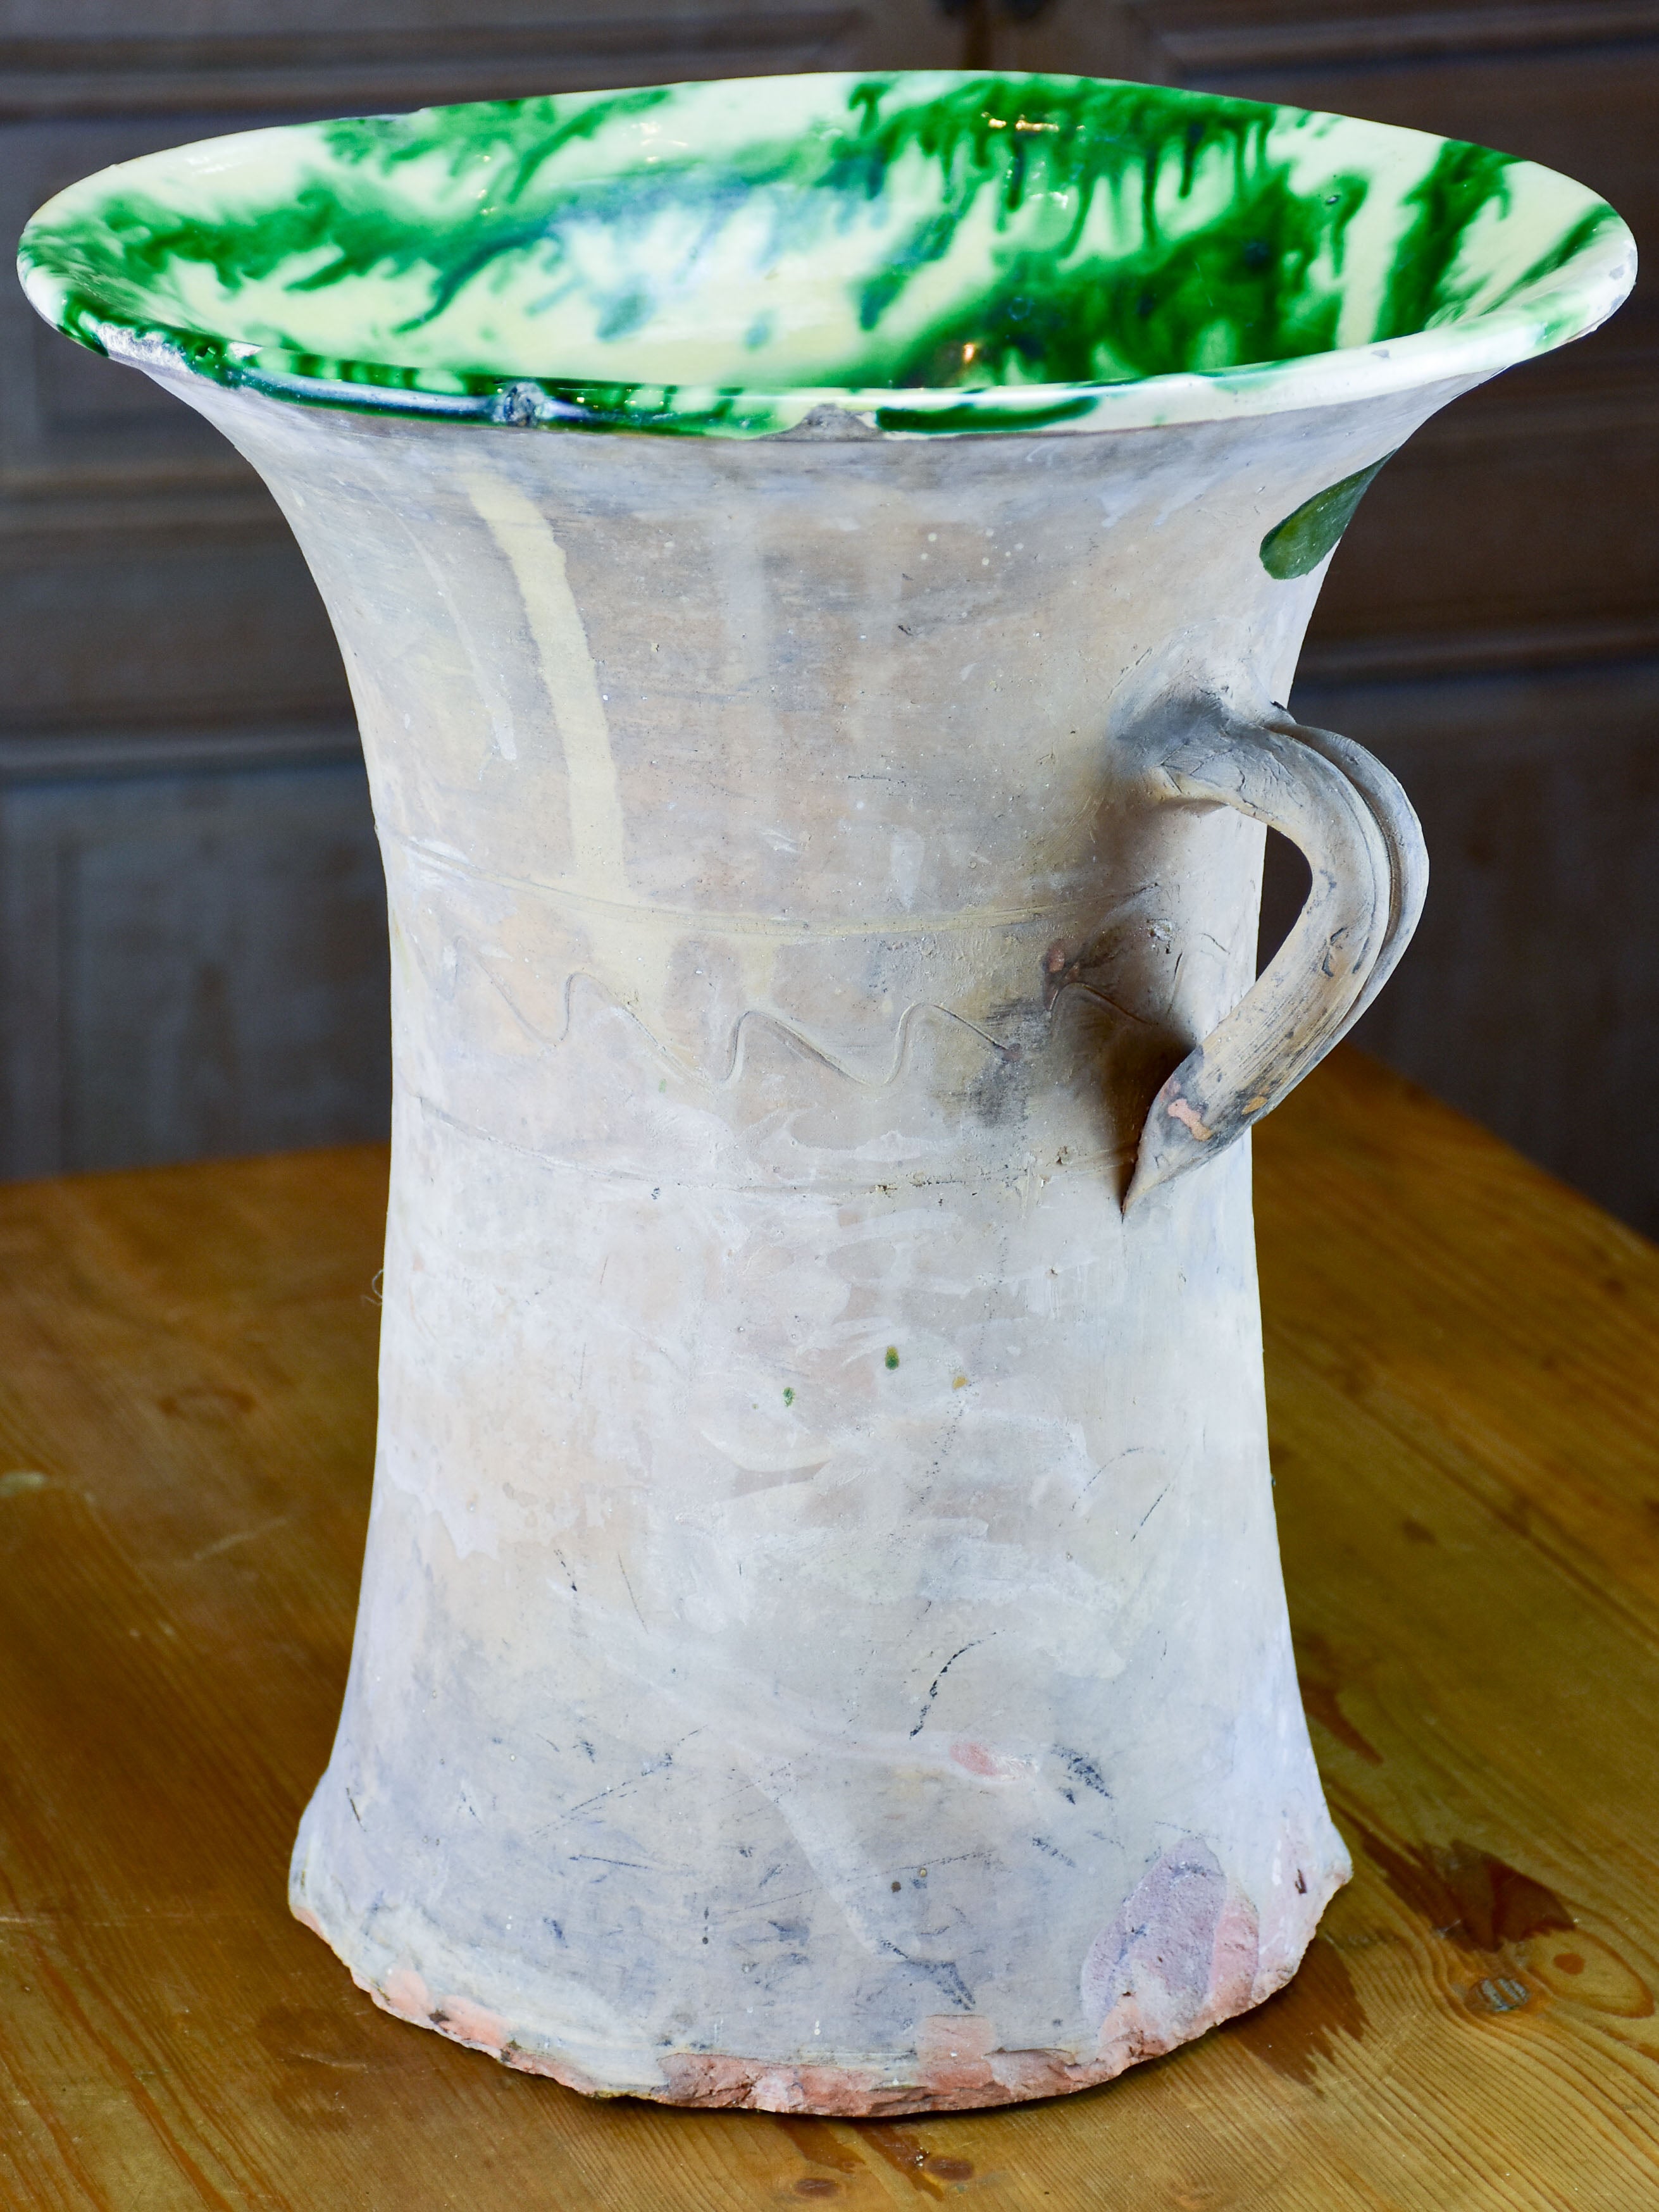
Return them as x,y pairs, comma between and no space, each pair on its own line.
791,1033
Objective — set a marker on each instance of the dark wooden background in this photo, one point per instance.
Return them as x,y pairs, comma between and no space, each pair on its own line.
192,954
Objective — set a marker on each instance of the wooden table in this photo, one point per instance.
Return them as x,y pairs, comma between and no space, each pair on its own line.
1463,1367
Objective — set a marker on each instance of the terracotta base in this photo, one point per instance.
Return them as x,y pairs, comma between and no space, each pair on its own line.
1178,1961
958,2078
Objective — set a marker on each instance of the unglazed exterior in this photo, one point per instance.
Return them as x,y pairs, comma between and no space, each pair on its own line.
822,1643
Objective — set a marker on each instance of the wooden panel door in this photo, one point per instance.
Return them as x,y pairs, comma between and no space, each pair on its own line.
172,702
1522,525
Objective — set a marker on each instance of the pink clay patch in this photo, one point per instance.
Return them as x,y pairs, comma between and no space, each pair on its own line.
778,2090
997,2077
976,1759
944,2037
953,2054
697,2078
1237,1956
1179,1110
1180,1956
470,2023
406,1994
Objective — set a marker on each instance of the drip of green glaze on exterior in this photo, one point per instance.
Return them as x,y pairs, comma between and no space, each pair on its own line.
1300,543
937,252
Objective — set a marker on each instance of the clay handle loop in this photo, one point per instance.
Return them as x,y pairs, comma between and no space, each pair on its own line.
1364,850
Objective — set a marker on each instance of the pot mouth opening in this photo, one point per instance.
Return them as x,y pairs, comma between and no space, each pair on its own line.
930,252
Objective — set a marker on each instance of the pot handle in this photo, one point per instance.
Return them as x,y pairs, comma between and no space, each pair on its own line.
1365,849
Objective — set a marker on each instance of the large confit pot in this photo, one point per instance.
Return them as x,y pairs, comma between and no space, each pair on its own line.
819,563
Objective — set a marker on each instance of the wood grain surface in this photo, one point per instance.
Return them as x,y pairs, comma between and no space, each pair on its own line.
1463,1369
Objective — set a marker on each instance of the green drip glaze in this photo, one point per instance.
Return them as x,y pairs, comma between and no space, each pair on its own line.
940,252
1213,294
1421,282
1300,543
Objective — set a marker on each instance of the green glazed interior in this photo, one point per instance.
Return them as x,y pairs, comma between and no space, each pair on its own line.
936,251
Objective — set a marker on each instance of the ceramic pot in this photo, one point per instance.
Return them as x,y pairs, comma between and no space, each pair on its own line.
819,563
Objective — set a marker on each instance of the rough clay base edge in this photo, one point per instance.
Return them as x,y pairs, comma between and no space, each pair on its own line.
708,2080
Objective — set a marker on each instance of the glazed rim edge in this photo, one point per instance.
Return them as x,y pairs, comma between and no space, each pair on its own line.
1585,288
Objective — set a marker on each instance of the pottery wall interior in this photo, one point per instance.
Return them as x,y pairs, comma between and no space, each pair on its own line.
192,954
